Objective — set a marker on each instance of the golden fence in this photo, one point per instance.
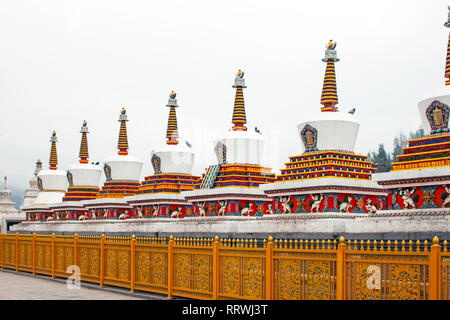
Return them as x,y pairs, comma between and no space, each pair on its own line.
240,269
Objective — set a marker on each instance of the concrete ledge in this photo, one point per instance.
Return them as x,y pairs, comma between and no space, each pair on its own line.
402,227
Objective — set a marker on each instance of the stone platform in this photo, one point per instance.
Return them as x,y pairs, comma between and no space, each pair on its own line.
386,225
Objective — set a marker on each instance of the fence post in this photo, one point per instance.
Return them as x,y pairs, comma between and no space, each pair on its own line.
269,269
75,249
340,270
133,262
102,258
216,246
17,251
3,250
33,253
53,256
435,269
170,268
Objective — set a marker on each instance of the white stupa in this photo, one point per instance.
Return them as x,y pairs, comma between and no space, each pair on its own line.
328,169
52,183
122,171
242,146
32,192
426,158
440,96
8,213
174,158
83,178
335,130
231,186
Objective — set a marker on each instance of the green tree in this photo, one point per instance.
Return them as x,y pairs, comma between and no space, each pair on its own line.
381,159
399,143
419,133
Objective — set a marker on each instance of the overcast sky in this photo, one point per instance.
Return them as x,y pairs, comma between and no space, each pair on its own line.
62,62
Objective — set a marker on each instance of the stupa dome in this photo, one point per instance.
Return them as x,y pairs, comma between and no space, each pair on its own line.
441,95
124,167
335,130
243,147
175,158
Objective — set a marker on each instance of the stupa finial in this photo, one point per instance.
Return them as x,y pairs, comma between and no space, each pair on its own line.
53,156
122,145
84,153
239,120
447,62
38,167
172,125
329,97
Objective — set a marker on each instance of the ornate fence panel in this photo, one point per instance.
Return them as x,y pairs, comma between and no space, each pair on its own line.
44,255
242,268
378,272
192,268
63,255
9,251
117,261
151,267
89,257
304,270
25,253
444,293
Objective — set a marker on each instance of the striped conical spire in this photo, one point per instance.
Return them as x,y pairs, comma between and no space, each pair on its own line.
84,153
172,125
123,140
53,157
447,62
329,97
239,120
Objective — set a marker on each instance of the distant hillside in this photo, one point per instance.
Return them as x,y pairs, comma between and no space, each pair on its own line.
17,195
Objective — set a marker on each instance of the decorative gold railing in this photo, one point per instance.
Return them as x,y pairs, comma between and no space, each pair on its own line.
238,268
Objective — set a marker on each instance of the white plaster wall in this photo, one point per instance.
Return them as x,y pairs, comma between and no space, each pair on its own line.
11,216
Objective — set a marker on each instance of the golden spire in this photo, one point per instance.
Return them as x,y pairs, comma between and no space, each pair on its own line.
5,181
123,140
329,97
447,62
239,120
53,157
172,126
84,154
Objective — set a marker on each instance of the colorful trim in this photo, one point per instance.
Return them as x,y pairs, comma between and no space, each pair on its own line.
53,156
122,144
172,127
329,92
